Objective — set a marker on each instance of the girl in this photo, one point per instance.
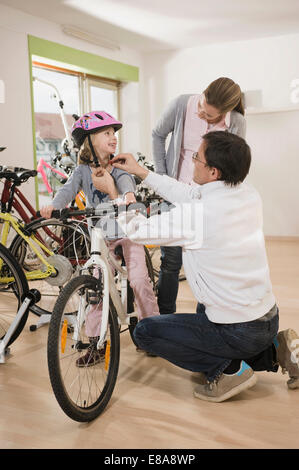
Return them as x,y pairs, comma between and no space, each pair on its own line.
187,119
94,134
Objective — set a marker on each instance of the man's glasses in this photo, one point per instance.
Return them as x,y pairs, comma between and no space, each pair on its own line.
197,159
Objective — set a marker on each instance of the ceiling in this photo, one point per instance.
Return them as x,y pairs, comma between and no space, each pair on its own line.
153,25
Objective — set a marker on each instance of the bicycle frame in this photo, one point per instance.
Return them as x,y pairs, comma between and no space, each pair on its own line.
100,257
60,105
32,297
9,221
17,204
40,169
80,197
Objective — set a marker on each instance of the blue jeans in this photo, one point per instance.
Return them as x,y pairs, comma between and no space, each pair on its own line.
194,343
168,283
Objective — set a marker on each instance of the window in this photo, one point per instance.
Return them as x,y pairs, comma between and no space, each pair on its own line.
103,96
79,93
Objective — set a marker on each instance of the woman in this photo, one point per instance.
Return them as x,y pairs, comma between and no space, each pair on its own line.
188,118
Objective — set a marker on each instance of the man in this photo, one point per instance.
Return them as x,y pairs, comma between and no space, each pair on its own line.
234,330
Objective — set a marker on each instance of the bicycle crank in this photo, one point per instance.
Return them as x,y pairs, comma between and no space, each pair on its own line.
63,268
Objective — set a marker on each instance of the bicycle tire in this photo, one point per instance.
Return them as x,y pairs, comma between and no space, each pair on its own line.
13,291
75,395
62,238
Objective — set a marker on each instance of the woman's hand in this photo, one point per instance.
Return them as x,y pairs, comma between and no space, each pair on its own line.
126,162
46,211
103,181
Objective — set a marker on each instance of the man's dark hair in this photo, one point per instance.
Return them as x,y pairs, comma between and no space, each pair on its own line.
228,153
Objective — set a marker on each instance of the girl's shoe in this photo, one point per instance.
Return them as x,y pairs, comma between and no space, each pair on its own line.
93,355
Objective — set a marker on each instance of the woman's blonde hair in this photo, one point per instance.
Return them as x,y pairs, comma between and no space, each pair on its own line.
225,95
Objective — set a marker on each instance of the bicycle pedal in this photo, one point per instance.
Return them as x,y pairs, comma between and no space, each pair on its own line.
93,298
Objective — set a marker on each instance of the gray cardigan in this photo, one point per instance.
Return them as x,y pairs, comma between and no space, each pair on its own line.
81,179
172,121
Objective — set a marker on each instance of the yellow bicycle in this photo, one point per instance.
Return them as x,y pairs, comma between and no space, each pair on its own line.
50,251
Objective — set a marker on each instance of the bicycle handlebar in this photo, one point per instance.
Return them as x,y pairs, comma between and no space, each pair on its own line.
100,211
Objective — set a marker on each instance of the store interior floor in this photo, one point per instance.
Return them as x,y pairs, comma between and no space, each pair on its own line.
153,406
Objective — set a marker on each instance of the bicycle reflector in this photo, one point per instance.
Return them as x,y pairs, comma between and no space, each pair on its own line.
107,355
63,336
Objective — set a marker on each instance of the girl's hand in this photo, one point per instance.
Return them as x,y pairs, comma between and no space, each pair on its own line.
103,181
46,211
130,198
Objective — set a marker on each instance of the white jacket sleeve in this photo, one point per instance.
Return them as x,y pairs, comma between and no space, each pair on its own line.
181,226
172,190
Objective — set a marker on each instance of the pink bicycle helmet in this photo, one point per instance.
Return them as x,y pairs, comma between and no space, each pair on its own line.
92,122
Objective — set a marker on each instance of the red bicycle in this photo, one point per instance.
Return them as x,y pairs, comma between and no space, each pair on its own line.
44,248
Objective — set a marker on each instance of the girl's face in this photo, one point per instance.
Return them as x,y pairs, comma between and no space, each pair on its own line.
104,142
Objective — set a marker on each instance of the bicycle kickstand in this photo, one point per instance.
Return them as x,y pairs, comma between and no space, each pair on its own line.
31,298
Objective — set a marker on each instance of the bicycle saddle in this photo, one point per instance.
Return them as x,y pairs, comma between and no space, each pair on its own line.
16,174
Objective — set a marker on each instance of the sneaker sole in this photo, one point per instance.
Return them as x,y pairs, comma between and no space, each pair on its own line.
293,383
234,391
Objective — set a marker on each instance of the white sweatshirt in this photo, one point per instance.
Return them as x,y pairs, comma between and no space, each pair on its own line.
220,229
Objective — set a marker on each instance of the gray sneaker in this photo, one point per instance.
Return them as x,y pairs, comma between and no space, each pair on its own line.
288,355
227,385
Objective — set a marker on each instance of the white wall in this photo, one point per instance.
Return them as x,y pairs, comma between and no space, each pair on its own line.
15,113
267,64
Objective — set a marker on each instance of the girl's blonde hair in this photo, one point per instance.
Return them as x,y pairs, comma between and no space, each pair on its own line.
85,153
225,95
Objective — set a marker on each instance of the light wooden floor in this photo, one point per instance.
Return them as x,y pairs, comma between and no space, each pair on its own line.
153,405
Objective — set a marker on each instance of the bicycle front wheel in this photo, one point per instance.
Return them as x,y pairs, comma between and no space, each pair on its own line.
82,377
13,287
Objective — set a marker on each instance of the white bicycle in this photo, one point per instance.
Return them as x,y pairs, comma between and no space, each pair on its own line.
82,388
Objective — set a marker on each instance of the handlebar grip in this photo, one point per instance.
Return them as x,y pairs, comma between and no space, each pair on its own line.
56,214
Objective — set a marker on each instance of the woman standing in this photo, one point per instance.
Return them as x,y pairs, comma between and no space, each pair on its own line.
187,119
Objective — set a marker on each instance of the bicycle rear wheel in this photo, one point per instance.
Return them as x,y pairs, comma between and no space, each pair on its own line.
70,243
13,288
82,378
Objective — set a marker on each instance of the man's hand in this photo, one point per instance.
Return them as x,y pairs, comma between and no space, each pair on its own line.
103,181
126,162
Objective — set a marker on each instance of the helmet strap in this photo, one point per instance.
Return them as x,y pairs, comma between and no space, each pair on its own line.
95,158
